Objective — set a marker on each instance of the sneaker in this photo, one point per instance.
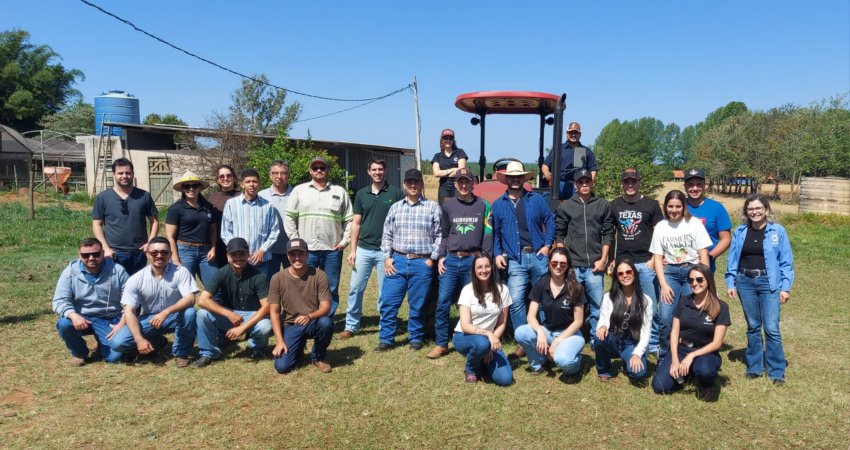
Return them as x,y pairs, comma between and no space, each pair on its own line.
604,378
181,362
416,346
77,362
539,371
753,376
383,346
438,352
203,361
347,334
258,355
323,366
778,382
471,378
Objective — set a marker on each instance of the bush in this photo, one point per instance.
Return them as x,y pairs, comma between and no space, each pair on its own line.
298,155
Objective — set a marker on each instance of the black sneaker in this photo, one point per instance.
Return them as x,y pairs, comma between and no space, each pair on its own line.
203,361
383,346
416,346
258,356
753,376
778,382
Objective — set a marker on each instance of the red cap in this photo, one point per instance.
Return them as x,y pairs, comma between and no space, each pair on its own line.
447,132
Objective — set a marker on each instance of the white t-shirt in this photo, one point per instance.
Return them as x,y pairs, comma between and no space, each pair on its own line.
484,316
143,289
679,242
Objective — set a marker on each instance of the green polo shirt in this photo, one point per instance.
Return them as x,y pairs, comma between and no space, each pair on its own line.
374,208
239,293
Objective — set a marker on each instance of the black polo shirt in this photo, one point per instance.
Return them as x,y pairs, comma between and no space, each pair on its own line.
193,224
558,311
695,325
448,162
374,208
239,293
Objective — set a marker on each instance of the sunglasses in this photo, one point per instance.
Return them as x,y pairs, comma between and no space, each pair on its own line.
319,168
448,138
191,186
573,132
697,280
557,264
625,325
90,255
158,252
225,176
626,273
125,209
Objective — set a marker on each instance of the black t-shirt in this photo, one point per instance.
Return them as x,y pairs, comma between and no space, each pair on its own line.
448,162
193,224
695,325
752,252
522,223
558,311
635,223
239,293
125,221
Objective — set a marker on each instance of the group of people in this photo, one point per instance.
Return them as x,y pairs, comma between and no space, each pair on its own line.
270,263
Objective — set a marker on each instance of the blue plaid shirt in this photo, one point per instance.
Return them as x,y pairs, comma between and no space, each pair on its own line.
412,228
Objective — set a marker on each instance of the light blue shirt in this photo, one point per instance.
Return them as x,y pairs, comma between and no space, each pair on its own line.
279,202
153,295
255,221
778,257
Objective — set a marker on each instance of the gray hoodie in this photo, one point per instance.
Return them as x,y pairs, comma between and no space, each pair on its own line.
584,228
102,299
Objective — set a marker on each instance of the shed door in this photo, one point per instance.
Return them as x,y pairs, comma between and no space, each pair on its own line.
159,173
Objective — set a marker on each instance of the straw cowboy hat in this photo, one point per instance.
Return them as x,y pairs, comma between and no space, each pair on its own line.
190,177
514,168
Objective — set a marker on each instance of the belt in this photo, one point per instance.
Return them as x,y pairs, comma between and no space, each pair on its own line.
414,255
684,264
752,273
686,343
462,254
528,249
192,244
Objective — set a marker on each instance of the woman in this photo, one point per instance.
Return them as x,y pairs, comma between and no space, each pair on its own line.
678,242
625,319
561,299
483,306
760,270
446,162
191,229
226,179
699,325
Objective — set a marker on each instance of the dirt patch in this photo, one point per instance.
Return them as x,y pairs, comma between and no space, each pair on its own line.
41,200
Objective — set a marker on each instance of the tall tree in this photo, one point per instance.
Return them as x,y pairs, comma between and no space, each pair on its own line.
32,83
259,108
627,144
77,118
168,119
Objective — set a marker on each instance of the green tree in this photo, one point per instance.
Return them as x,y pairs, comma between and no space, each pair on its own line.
627,144
32,83
168,119
77,118
258,108
298,154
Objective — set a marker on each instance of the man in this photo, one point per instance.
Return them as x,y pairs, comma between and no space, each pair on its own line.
88,301
164,295
118,219
713,215
585,226
371,205
301,294
319,212
254,219
410,245
635,216
523,231
574,157
465,230
242,310
278,195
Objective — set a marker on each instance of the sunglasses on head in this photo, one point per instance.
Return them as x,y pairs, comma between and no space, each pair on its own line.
91,255
191,186
626,273
698,280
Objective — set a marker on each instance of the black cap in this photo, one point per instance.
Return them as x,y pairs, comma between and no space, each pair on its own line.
237,244
630,173
413,174
296,244
464,173
694,173
583,173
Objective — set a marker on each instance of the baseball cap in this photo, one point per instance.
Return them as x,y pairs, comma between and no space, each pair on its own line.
464,173
630,173
296,244
574,126
413,174
694,173
583,173
447,132
237,244
318,159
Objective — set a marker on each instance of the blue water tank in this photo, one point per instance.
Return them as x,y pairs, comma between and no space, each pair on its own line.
115,106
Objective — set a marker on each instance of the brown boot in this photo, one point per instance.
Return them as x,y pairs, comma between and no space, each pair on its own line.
347,334
438,352
323,366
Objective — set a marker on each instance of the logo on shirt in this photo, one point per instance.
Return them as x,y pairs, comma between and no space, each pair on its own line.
774,239
463,228
629,223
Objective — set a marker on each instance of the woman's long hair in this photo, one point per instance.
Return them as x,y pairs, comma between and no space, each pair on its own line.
232,172
490,286
575,290
632,314
712,303
677,195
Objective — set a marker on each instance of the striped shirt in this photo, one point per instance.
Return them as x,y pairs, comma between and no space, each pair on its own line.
253,220
153,295
321,217
279,202
412,228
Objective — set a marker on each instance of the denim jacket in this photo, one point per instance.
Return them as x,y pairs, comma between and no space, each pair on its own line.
102,299
778,258
539,220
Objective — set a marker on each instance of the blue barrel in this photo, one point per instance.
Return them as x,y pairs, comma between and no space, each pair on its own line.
115,106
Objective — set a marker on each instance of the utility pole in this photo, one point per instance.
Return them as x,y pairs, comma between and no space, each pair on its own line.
418,154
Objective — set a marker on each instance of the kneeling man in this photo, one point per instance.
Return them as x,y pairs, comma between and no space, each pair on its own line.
302,295
88,301
164,295
243,308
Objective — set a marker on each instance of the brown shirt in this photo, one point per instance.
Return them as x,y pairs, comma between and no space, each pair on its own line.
298,295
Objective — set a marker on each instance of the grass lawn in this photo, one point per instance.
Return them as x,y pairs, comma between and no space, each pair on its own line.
400,398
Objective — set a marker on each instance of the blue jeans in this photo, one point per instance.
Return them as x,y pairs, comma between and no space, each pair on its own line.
181,323
704,369
195,260
761,309
100,328
618,347
649,286
522,274
677,279
364,263
567,353
211,325
320,330
456,276
413,277
330,262
568,188
593,283
475,347
132,262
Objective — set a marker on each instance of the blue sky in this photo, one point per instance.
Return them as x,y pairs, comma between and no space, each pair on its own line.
673,60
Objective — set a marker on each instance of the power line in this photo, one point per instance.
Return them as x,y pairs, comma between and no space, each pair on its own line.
406,88
247,77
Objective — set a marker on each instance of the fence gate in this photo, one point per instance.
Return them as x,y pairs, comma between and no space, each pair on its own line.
159,177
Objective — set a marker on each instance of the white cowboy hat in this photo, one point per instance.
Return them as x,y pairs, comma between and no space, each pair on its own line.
514,169
190,177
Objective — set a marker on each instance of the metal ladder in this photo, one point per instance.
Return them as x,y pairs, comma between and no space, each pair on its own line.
103,160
